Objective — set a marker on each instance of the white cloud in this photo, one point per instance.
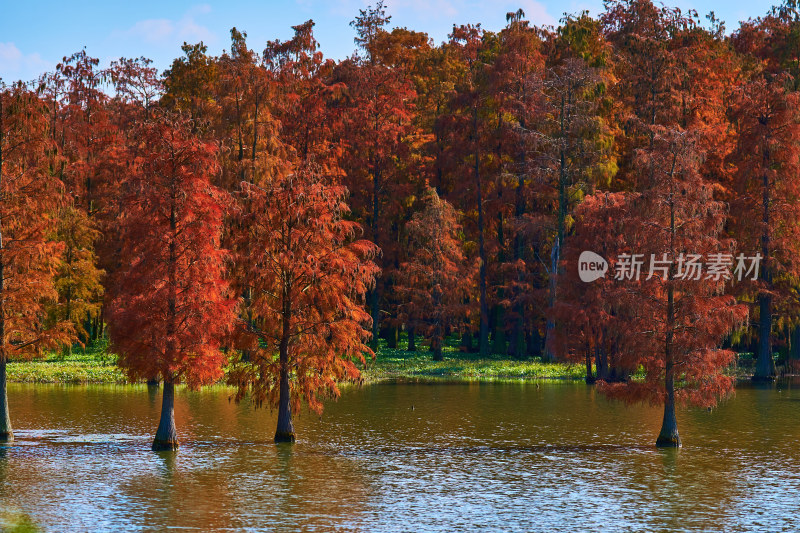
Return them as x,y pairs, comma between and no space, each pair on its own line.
16,65
168,31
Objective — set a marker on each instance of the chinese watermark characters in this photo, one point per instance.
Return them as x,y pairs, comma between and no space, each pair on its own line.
692,267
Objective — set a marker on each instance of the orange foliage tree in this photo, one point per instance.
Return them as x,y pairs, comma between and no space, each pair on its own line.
29,195
171,307
308,276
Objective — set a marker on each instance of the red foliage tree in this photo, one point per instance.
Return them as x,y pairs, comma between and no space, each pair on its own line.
434,281
137,86
377,132
766,202
672,323
468,128
516,80
307,276
305,96
587,317
171,306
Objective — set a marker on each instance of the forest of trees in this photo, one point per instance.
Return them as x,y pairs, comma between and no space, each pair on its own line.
273,213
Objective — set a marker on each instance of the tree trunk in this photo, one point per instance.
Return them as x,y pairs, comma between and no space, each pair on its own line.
166,438
668,437
499,336
167,435
412,340
285,429
563,182
483,339
518,332
517,348
6,434
374,311
374,298
254,151
436,339
601,362
436,347
535,343
765,365
550,325
466,341
391,337
589,377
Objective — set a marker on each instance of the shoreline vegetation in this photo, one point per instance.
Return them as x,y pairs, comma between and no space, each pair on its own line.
95,365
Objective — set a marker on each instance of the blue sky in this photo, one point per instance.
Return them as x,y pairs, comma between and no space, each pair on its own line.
35,35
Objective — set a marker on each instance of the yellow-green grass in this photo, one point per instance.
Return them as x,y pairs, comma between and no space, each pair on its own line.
96,365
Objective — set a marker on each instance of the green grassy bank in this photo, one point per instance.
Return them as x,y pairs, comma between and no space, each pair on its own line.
96,365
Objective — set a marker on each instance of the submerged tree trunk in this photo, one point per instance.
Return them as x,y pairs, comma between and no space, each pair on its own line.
765,365
6,434
668,437
167,434
285,429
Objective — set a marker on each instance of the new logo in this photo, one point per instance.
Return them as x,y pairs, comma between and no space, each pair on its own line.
591,266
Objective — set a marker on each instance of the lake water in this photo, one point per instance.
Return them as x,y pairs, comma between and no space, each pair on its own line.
403,457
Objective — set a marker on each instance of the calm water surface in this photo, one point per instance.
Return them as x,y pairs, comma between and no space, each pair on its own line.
403,457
